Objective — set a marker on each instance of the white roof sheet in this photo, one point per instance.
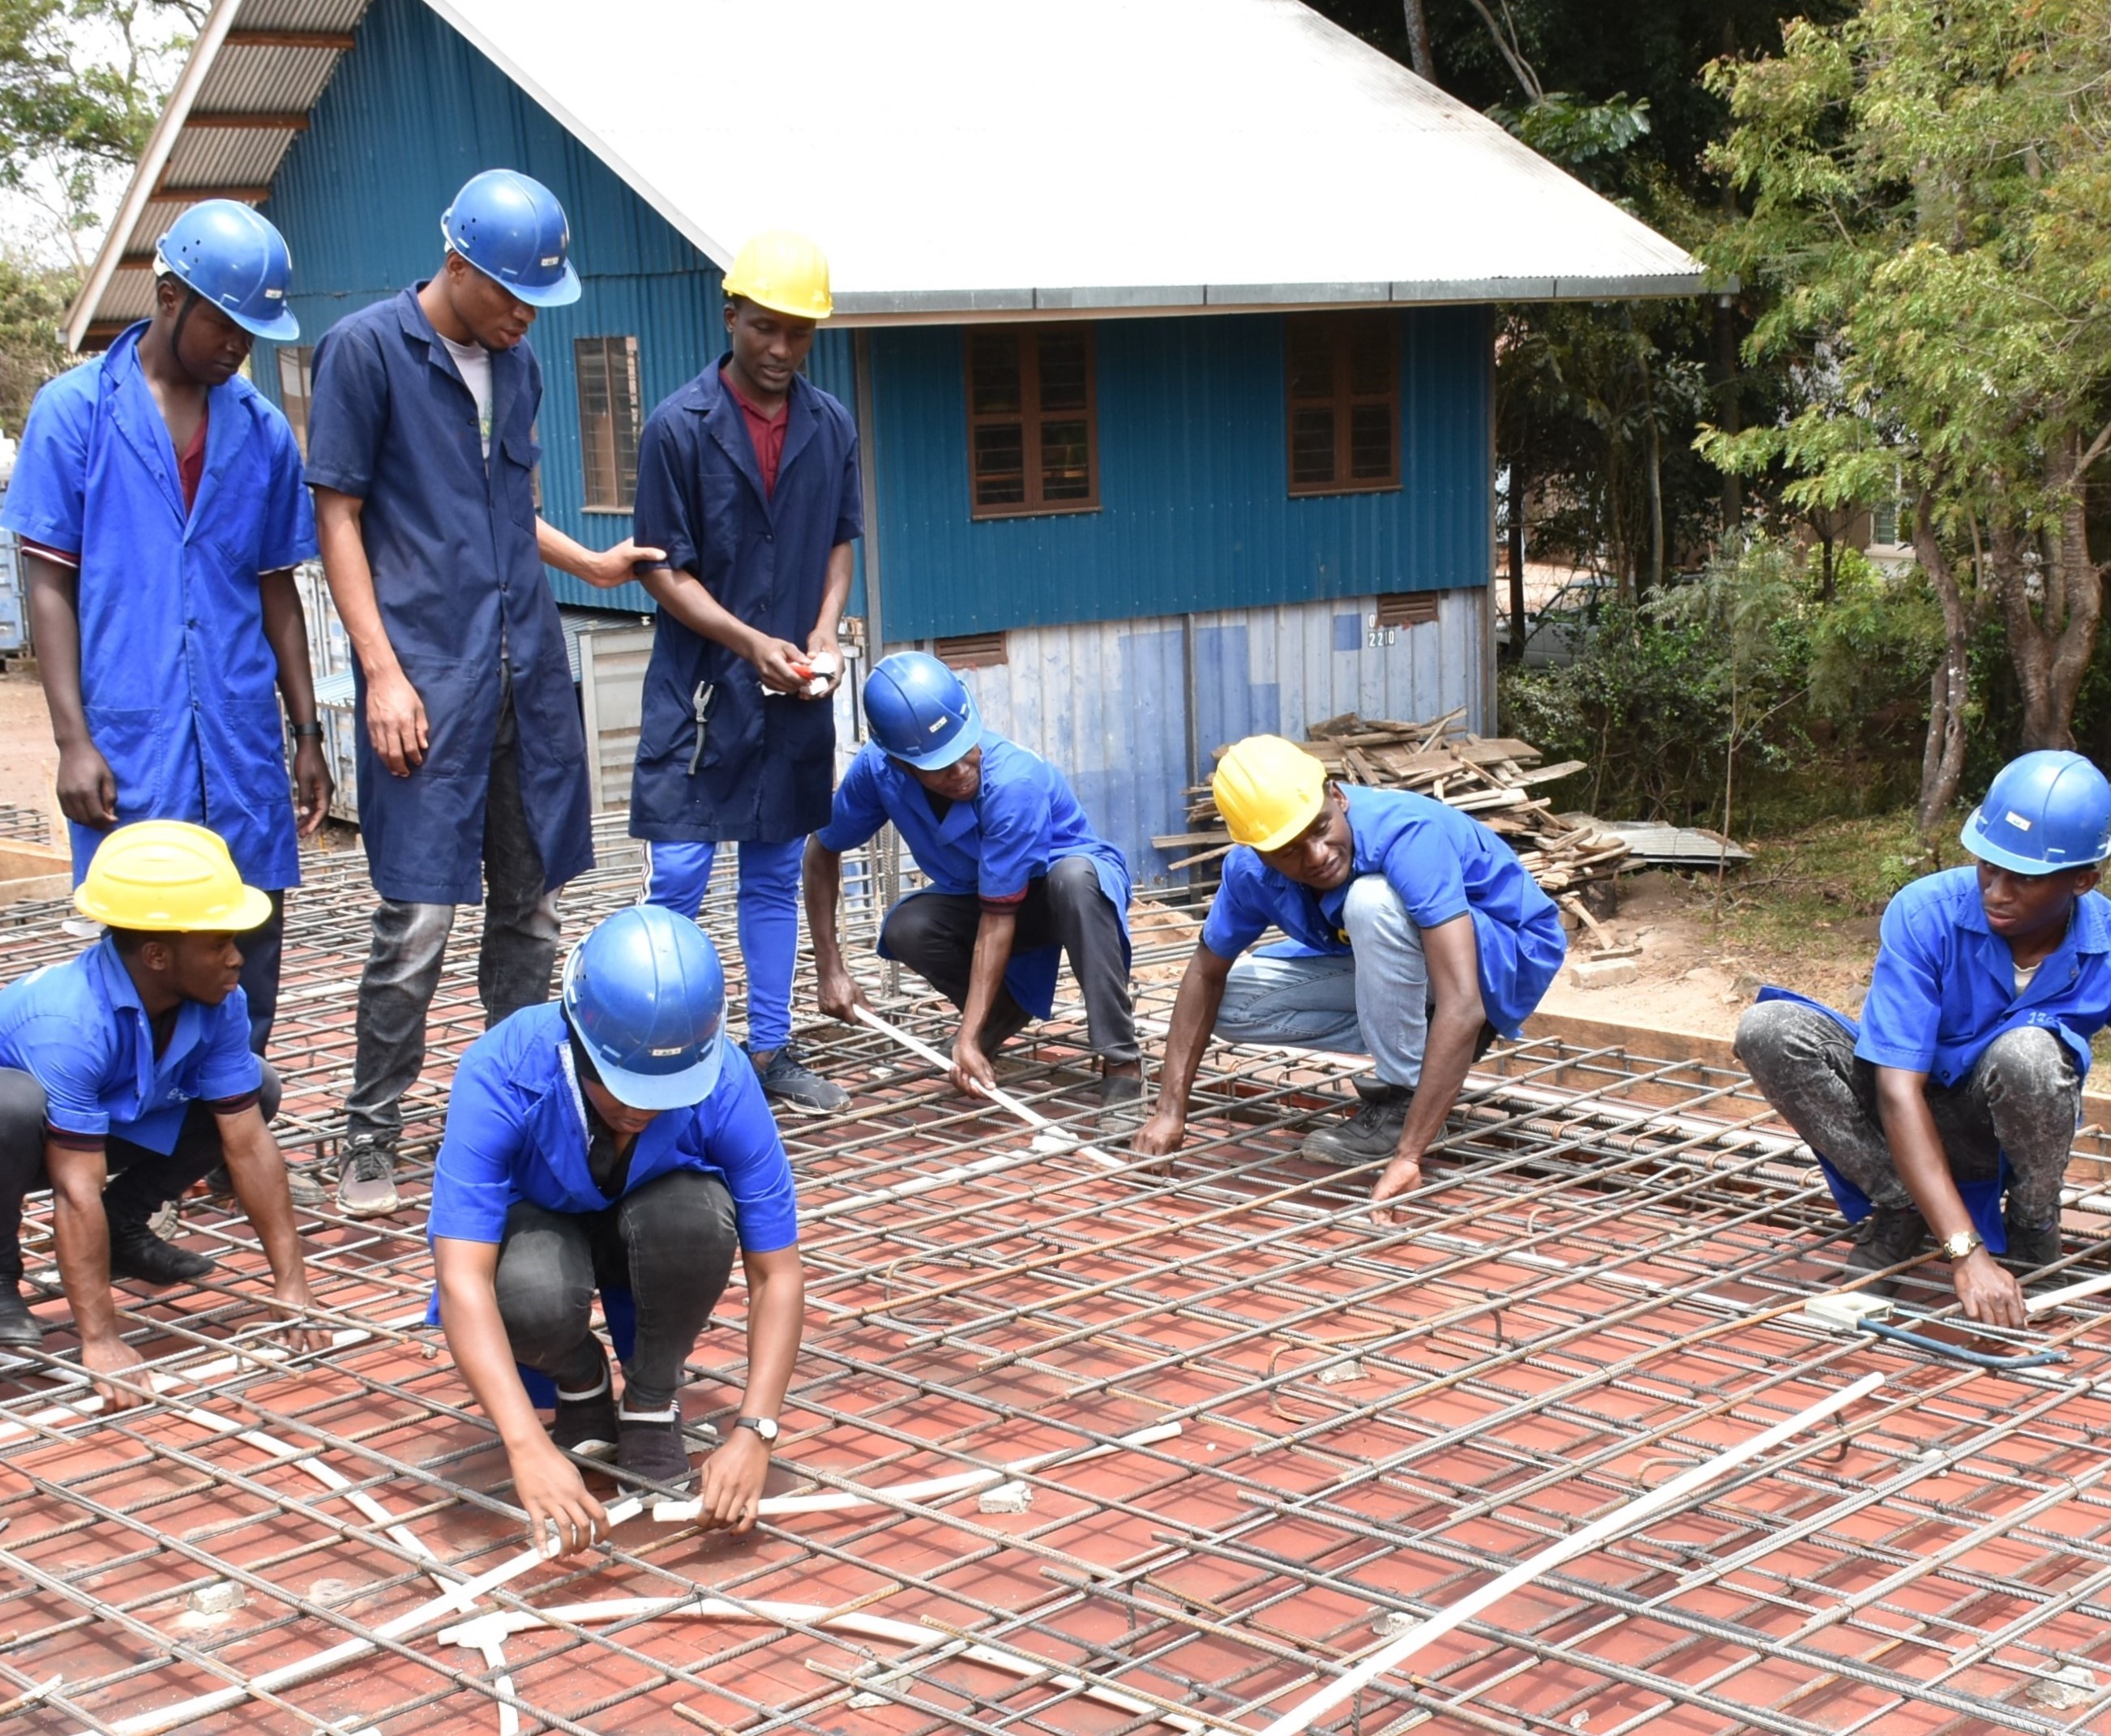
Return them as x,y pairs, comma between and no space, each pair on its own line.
964,156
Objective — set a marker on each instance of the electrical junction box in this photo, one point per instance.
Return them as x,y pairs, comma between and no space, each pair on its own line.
1846,1311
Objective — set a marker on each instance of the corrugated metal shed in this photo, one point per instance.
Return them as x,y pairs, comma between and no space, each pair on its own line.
1194,510
1214,154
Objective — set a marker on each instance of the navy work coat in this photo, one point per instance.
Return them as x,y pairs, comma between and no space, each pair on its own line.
178,682
451,542
768,767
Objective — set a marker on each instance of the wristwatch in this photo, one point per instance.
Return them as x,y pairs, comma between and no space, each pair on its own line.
307,731
764,1426
1958,1246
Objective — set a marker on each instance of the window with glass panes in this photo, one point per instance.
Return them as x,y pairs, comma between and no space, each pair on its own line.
610,415
295,376
1032,445
1342,391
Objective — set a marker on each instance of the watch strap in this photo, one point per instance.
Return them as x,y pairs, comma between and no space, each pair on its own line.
307,731
764,1426
1960,1246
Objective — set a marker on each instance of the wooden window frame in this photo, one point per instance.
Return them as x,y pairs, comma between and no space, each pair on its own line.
1028,419
301,357
598,446
971,651
1406,609
1341,328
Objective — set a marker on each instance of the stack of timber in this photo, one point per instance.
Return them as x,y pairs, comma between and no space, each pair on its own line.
1490,778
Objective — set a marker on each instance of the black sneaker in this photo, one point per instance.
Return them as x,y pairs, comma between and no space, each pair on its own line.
651,1447
136,1251
2031,1249
366,1178
785,1079
1371,1135
1888,1235
305,1190
19,1328
585,1422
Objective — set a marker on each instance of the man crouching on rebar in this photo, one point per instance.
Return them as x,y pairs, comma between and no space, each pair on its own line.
1962,1083
1416,936
601,1143
126,1075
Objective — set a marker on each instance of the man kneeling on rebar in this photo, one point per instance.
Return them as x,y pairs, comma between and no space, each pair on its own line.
601,1144
1416,936
126,1075
1018,877
1963,1082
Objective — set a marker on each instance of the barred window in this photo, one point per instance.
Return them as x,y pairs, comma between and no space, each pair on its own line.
1033,439
1343,390
610,416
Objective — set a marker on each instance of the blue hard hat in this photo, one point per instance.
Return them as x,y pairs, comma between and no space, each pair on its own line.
645,993
512,229
2047,811
230,256
919,711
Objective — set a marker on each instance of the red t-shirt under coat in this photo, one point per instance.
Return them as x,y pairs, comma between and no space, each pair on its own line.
766,434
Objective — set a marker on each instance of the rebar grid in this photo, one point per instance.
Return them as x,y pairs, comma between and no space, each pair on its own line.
1600,1287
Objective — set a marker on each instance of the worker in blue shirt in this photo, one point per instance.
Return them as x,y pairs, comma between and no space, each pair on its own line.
159,500
1952,1105
748,477
124,1075
472,766
1017,877
1415,936
604,1144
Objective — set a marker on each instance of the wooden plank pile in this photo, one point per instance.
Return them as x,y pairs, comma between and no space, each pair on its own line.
1490,778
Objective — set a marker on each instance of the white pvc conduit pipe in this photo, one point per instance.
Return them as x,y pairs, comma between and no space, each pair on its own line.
1387,1658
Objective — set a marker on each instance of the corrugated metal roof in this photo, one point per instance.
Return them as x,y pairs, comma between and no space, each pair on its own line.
964,159
991,157
250,60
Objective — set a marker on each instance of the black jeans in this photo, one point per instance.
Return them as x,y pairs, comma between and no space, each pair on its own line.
670,1242
933,933
402,970
139,1179
263,951
2021,1098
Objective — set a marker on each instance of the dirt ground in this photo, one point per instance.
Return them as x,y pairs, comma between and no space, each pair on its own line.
28,760
1692,975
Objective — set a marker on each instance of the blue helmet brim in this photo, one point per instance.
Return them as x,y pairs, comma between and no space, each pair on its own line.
963,743
1974,838
658,1092
284,329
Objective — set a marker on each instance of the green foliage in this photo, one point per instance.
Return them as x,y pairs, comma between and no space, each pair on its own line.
1749,677
32,302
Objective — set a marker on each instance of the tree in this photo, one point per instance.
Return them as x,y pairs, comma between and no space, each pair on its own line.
1930,214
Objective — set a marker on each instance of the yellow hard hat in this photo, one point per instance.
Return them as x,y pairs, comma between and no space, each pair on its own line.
1269,790
169,876
785,272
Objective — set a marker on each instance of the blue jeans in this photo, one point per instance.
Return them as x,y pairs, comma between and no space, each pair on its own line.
677,876
1372,999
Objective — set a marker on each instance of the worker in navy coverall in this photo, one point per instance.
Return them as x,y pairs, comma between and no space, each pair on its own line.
748,477
472,767
159,503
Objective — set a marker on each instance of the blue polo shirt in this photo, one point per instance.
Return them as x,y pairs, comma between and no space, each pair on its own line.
517,1129
1442,863
79,1029
1022,821
1945,985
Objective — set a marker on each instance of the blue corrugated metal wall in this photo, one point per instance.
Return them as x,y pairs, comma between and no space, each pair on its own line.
1194,509
1196,514
413,111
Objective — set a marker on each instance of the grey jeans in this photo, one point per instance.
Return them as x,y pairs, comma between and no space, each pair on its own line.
670,1243
2021,1098
520,945
933,933
1373,1000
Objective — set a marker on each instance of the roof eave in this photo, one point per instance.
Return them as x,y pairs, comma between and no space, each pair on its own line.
965,306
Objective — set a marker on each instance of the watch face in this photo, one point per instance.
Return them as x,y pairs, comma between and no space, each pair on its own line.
762,1426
